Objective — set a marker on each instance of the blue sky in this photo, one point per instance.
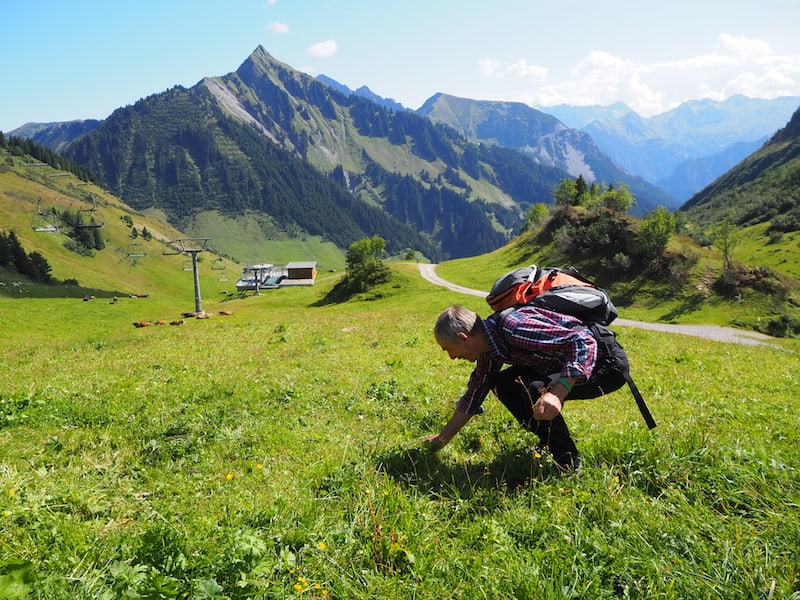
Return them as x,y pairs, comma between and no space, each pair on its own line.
82,59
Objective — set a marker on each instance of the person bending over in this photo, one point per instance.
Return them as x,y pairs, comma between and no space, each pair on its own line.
552,358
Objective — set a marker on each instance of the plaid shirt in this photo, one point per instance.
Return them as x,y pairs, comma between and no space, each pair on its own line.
546,341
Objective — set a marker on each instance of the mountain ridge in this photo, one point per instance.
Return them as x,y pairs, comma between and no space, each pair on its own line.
417,184
688,175
542,136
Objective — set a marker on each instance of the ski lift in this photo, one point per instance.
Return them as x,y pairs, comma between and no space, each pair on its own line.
188,265
86,216
190,247
44,221
136,250
219,265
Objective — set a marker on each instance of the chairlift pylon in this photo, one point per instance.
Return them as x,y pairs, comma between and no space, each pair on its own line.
191,247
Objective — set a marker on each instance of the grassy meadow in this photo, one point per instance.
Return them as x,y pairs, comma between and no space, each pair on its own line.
277,453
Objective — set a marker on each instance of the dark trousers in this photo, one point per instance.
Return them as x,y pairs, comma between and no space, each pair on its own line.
518,388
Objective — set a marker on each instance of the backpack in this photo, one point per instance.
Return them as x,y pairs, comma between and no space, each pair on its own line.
559,290
565,291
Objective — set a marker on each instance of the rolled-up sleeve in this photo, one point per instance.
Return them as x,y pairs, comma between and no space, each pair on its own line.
480,382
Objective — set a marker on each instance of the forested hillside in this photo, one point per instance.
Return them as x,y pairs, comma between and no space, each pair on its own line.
175,151
315,161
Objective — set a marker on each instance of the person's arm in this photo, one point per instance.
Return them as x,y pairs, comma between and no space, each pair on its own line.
550,403
454,425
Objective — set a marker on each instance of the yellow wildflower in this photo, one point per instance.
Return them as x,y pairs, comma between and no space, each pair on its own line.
12,491
7,513
322,545
229,476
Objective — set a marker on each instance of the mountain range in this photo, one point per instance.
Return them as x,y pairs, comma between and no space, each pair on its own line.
543,137
679,151
686,148
309,156
302,158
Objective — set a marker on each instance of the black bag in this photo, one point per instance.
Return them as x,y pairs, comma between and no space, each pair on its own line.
612,361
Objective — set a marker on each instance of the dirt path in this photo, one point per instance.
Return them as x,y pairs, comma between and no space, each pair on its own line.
710,332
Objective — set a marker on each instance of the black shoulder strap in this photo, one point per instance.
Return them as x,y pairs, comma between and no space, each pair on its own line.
646,415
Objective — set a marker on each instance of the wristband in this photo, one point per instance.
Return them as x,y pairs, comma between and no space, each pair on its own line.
565,383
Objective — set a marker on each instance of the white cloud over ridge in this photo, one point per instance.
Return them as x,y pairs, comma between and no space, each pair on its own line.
278,27
736,65
324,49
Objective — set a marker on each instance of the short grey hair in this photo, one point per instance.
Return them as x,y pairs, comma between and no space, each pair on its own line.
455,320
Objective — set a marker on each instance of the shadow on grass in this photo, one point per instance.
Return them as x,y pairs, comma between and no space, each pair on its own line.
689,305
425,470
19,289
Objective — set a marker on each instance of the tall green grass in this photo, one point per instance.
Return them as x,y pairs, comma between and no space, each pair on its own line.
277,453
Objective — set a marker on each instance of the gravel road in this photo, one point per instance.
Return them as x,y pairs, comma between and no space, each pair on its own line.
709,332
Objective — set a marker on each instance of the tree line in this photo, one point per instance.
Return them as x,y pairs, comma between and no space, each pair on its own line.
30,264
19,146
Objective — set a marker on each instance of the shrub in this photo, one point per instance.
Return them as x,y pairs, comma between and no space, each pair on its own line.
783,326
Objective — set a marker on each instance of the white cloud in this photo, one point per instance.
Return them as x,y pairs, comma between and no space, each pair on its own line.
741,47
489,67
523,70
736,65
520,69
324,49
278,27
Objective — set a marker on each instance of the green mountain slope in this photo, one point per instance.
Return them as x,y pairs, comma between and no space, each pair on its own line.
244,142
683,287
28,188
764,187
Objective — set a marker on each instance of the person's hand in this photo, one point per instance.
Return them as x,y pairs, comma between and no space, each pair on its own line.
435,442
547,408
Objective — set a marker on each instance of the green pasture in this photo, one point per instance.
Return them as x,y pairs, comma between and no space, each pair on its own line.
253,239
277,453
